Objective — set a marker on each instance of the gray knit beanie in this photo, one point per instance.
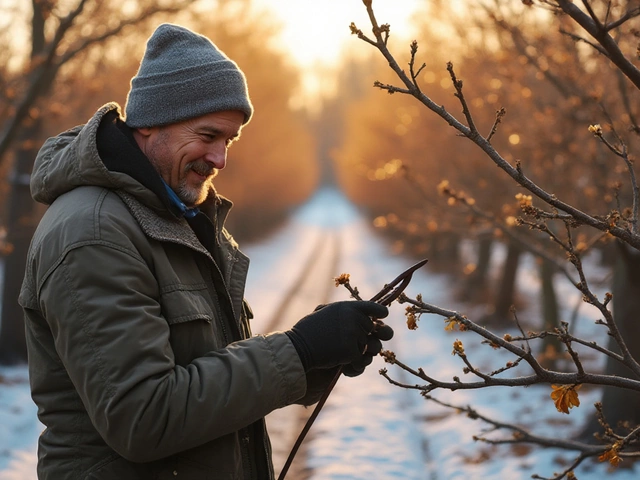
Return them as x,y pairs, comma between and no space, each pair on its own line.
183,75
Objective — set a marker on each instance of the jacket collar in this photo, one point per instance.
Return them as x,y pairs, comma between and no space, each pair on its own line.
162,228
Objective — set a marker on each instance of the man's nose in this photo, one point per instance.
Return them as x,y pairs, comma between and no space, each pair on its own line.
217,156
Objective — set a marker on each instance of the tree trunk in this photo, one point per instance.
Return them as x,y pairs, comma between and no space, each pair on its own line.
20,227
444,250
20,222
475,287
550,314
505,296
620,405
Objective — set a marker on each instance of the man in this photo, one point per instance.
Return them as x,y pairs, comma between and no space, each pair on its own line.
141,359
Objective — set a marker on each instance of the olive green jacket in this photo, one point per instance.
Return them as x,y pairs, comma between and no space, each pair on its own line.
141,360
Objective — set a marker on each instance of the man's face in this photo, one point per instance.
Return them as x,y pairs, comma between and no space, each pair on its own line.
188,155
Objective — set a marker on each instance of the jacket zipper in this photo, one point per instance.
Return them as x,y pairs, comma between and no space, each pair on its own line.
266,444
246,457
221,322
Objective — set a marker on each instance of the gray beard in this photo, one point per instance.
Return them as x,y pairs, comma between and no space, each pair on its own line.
192,198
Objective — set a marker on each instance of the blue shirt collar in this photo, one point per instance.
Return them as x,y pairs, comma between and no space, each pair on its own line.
178,204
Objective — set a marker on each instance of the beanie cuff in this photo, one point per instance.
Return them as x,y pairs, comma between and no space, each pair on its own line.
163,103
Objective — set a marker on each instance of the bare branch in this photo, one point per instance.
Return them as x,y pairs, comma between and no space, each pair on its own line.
622,152
457,84
521,435
414,74
592,14
494,128
514,172
82,45
623,226
390,88
579,39
594,28
634,12
541,375
39,79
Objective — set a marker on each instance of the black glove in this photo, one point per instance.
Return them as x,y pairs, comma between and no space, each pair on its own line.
383,332
341,333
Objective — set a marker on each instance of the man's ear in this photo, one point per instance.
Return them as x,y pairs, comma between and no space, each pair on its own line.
144,131
141,136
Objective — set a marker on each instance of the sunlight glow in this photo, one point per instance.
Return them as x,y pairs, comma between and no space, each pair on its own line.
316,33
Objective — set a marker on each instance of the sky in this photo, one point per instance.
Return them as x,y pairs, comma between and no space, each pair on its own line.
316,33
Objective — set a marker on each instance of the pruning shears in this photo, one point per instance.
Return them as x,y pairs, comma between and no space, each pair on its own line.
390,292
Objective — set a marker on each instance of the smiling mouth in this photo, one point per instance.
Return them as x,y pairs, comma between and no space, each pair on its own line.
203,173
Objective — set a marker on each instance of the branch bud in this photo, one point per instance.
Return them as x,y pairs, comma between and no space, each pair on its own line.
596,130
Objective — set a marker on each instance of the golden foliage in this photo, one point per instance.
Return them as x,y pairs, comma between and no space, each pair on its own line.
611,455
458,348
565,397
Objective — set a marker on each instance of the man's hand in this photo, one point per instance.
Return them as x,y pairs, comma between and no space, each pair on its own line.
341,333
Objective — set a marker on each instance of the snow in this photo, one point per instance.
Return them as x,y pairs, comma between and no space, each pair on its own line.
370,429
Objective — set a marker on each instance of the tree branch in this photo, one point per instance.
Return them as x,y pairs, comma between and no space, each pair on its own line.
514,172
594,28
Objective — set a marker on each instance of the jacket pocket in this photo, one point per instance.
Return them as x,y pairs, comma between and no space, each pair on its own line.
217,460
194,329
179,468
183,303
115,466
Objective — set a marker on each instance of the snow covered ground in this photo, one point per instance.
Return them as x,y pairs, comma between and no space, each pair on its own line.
370,429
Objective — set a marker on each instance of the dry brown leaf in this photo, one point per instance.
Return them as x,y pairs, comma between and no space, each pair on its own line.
565,397
611,455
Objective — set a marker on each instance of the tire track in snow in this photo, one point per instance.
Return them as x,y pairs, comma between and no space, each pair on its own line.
309,279
312,286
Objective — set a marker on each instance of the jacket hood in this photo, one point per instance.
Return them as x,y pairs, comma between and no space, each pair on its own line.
71,160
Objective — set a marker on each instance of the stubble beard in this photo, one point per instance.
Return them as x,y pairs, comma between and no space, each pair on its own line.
160,158
194,196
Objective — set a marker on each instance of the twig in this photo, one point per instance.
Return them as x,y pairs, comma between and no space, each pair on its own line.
414,75
457,84
494,128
